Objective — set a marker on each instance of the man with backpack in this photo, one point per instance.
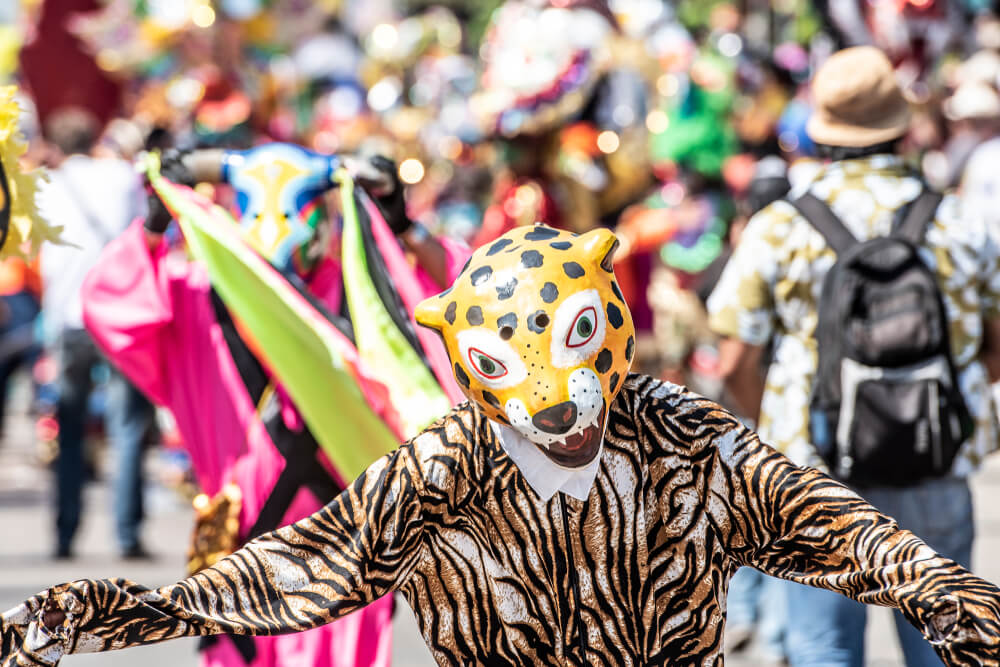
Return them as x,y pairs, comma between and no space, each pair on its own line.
882,301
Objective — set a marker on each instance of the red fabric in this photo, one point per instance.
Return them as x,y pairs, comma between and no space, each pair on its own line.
500,217
57,69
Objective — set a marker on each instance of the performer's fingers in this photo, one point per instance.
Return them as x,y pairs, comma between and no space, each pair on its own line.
42,646
372,174
23,614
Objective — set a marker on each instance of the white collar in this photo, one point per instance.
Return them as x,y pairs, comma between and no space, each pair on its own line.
543,474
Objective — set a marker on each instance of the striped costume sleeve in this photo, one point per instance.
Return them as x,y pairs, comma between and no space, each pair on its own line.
798,524
356,549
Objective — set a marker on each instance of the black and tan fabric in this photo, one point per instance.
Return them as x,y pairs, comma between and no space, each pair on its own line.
634,575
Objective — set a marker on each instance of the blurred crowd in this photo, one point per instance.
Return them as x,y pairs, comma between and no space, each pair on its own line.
671,122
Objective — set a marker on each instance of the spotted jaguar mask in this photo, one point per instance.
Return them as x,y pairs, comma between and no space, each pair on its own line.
539,336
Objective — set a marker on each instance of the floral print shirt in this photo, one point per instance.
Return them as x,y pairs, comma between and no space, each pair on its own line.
770,291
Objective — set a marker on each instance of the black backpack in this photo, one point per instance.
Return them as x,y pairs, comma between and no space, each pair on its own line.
885,409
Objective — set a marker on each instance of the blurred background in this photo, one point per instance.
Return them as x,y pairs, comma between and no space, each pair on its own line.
650,117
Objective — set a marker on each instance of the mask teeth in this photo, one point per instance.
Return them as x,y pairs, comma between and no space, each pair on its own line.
561,443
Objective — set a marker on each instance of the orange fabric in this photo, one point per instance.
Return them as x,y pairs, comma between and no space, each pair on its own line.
16,275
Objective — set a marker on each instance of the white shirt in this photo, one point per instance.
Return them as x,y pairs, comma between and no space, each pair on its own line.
93,200
542,473
980,188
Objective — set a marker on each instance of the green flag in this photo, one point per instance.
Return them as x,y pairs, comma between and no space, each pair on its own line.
315,364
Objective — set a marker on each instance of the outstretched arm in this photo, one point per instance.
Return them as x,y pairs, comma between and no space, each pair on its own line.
798,524
356,549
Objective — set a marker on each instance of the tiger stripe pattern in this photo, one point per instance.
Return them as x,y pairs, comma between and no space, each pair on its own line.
635,575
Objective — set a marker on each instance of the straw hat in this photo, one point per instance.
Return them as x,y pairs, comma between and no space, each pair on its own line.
973,101
857,100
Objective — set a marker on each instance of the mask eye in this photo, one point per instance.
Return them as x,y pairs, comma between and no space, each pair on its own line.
583,328
485,365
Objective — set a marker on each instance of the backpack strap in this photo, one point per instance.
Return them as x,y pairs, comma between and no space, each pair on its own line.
819,215
918,217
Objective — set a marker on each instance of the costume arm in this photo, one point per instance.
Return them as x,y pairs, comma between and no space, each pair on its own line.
127,308
346,555
798,524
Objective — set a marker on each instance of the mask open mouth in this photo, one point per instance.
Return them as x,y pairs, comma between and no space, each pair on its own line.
579,449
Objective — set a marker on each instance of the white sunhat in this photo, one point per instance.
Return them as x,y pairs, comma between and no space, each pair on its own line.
973,100
982,66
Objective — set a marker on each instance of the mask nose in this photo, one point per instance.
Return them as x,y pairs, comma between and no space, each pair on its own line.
557,419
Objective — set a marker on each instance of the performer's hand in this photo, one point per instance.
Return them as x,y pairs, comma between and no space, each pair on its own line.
965,628
380,178
173,168
33,633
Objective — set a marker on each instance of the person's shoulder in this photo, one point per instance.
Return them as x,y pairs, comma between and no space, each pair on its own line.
446,446
778,211
449,460
770,228
673,418
958,223
986,154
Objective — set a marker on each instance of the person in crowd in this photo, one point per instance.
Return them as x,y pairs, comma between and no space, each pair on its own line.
977,106
756,602
20,303
93,199
777,290
161,322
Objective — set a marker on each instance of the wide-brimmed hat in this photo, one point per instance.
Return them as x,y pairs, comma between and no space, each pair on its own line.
973,101
857,101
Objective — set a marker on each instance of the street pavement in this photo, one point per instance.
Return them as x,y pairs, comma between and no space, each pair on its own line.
26,543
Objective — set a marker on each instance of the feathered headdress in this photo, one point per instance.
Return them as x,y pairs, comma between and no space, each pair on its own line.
26,230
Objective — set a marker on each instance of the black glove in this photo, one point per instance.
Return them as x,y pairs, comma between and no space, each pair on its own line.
158,217
173,169
391,200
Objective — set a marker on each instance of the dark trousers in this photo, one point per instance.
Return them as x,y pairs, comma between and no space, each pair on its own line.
17,339
128,416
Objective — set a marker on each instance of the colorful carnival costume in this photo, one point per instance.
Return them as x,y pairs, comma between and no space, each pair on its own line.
570,513
22,229
162,322
561,91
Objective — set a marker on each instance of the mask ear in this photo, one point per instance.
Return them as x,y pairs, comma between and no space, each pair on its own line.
430,312
599,246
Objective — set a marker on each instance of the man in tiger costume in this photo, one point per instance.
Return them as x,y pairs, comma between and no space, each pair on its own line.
569,513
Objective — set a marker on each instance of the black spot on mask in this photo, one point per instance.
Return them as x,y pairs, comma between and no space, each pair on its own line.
538,321
604,359
498,246
460,375
531,259
615,316
573,270
491,399
508,320
617,290
506,290
549,292
541,233
481,275
474,315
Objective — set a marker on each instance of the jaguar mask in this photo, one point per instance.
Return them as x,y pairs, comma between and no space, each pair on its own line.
539,336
